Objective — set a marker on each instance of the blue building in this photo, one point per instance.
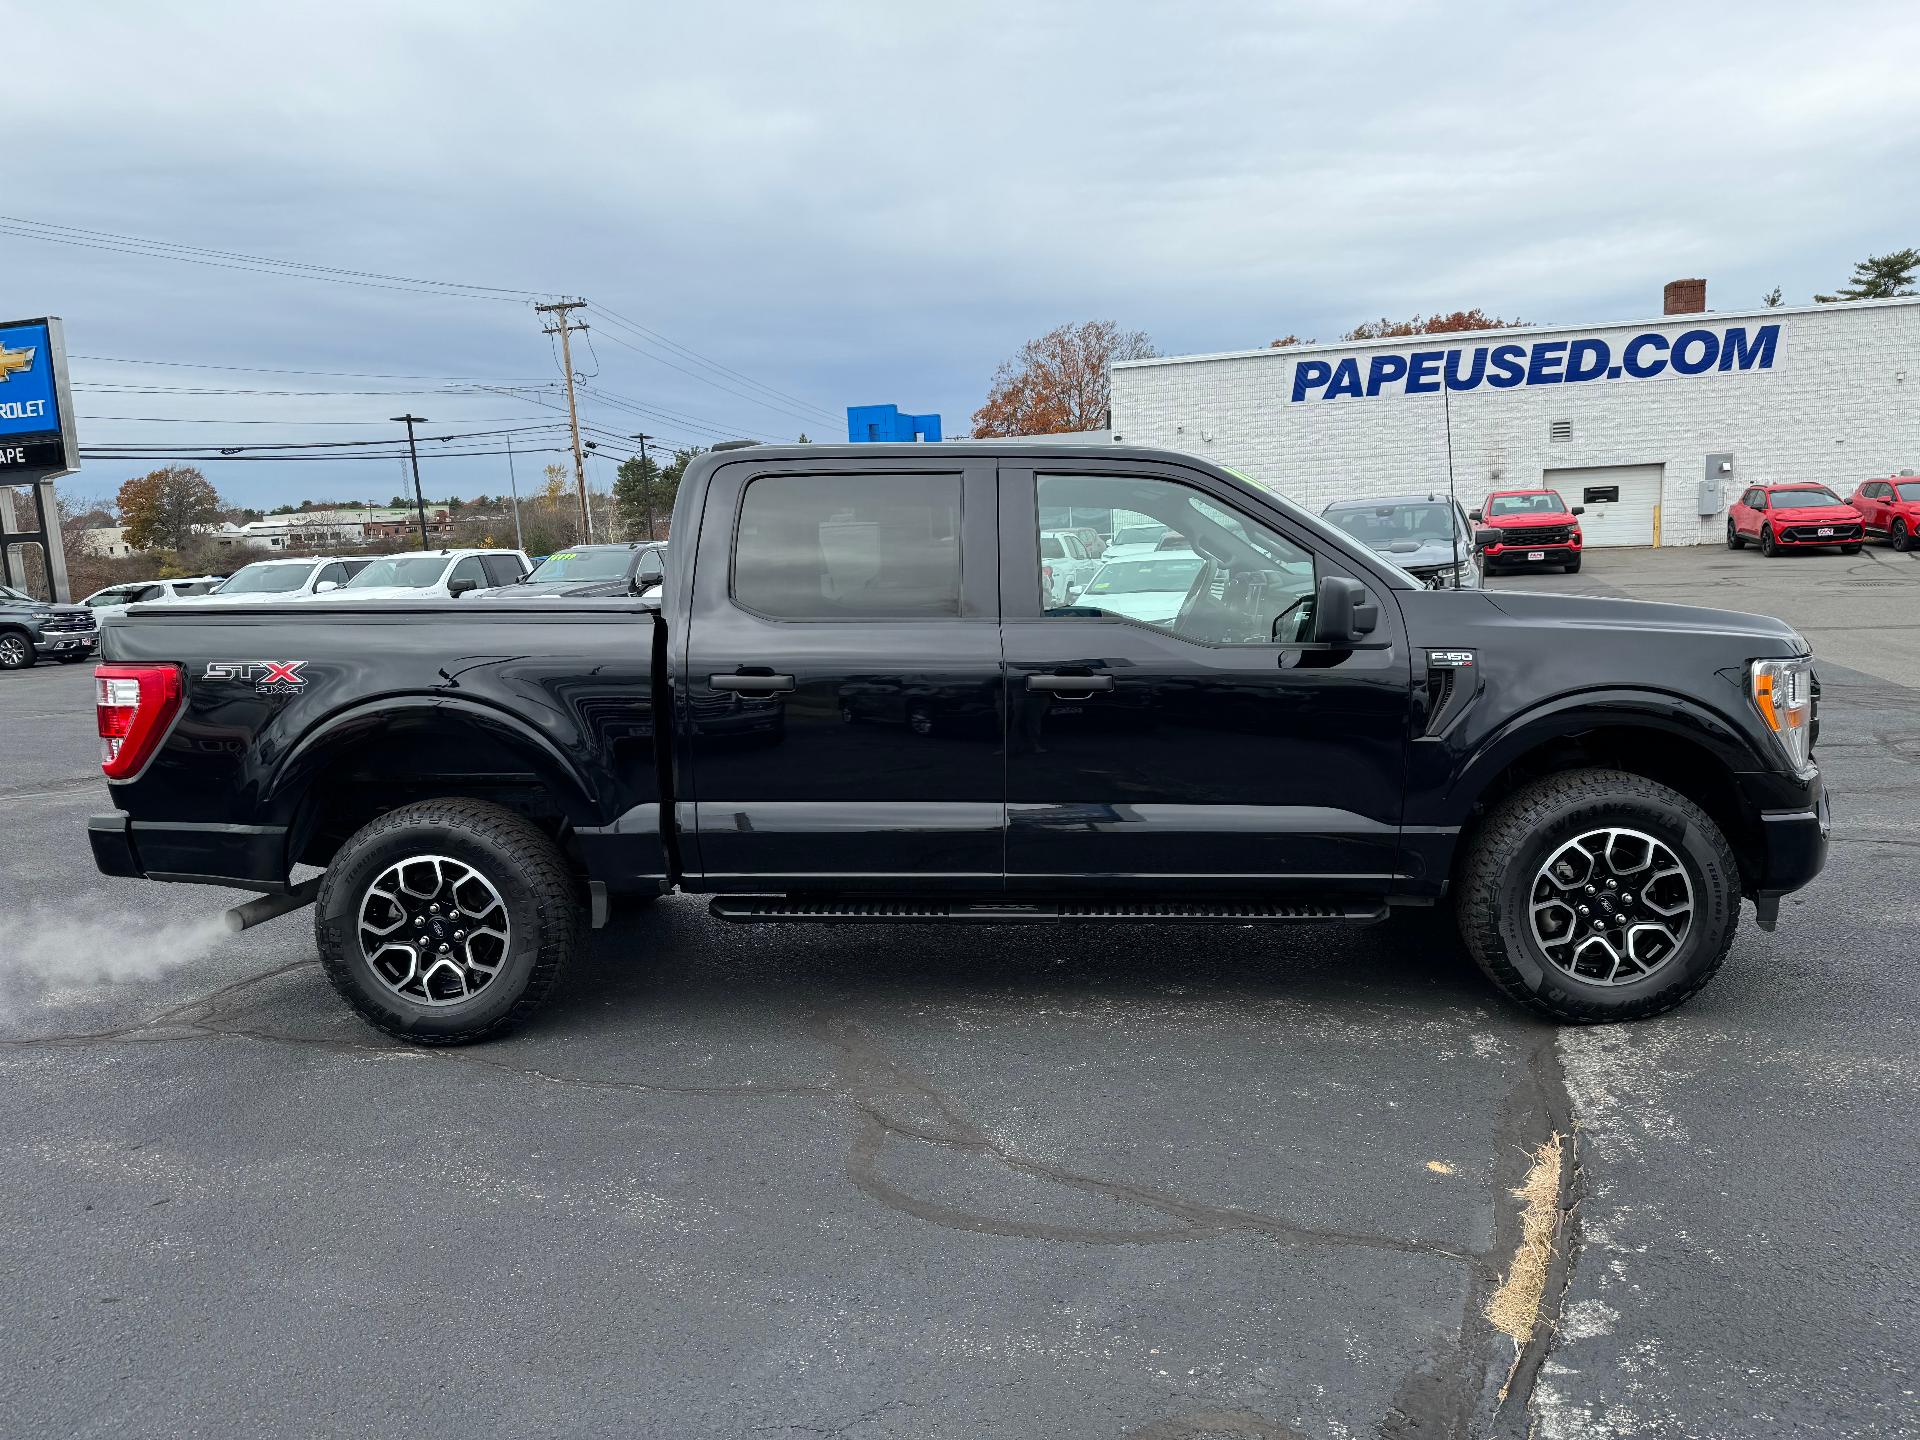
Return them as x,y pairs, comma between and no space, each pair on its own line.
879,424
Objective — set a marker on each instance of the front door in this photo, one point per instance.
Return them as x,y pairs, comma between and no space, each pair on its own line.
1159,736
842,681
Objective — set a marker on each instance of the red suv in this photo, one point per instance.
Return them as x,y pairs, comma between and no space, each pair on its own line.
1535,528
1793,517
1890,507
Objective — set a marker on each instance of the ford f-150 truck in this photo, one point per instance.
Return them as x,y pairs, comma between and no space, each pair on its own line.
1306,733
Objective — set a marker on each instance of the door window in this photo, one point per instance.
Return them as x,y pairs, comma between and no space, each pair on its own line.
335,572
849,547
469,569
502,569
1225,579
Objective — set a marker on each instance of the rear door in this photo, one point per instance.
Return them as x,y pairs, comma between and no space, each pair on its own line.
841,689
1159,735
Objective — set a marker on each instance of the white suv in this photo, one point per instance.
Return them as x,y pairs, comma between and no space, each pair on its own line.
430,575
1064,561
115,599
291,579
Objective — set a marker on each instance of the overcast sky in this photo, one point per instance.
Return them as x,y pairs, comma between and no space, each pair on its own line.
856,203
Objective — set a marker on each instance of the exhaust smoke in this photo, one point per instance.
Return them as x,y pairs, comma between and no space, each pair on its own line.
47,958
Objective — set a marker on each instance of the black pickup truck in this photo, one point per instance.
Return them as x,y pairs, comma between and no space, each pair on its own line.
857,700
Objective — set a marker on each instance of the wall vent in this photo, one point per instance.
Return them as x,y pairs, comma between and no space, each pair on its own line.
1560,430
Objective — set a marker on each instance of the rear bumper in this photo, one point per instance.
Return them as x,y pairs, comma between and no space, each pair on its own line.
246,857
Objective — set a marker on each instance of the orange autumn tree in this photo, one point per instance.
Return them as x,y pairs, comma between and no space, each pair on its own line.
1058,383
1447,324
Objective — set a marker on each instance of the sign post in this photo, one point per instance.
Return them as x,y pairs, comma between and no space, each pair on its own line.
38,443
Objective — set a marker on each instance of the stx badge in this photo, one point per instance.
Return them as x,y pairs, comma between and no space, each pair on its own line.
270,677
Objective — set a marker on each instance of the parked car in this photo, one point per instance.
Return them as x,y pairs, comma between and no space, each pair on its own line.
429,575
1428,536
112,601
1794,517
291,578
33,629
1131,538
1589,785
1066,565
1148,588
630,569
1890,508
1527,530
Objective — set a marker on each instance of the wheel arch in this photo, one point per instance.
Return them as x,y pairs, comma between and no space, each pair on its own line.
1673,740
376,757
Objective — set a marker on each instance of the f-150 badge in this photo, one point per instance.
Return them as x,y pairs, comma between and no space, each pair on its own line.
270,677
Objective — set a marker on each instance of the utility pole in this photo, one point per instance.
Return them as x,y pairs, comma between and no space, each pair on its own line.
513,484
419,500
646,480
561,309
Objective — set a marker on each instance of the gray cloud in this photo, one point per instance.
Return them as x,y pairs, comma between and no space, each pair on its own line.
860,203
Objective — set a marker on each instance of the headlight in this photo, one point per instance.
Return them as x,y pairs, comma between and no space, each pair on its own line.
40,615
1464,576
1782,692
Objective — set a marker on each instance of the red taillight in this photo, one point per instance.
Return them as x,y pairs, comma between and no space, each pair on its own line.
136,704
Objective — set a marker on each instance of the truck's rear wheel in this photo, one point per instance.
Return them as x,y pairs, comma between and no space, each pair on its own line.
447,921
1597,895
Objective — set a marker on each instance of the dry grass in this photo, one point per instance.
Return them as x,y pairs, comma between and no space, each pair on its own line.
1514,1309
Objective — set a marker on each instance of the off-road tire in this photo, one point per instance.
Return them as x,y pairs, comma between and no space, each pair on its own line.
1735,540
16,650
542,897
1498,873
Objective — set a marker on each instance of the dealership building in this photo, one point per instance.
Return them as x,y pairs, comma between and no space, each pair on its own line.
1654,425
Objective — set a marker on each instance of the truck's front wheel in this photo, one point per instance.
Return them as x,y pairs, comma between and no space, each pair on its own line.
447,921
1597,895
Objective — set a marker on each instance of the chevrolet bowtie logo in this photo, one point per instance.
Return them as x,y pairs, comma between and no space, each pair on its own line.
15,361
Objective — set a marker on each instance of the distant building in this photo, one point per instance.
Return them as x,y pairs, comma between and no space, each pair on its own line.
319,530
109,542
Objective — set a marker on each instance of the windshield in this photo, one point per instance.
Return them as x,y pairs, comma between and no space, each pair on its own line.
1139,534
1908,490
1545,503
13,594
1803,499
1140,577
410,572
583,565
263,579
1379,526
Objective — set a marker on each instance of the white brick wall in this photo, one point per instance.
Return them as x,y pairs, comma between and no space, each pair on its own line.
1840,404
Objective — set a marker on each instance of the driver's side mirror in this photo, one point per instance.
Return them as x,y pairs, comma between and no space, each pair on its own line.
648,574
462,586
1476,516
1579,510
1343,611
1486,537
1073,592
325,585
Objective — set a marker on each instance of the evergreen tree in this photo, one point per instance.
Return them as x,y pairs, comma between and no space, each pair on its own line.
1880,277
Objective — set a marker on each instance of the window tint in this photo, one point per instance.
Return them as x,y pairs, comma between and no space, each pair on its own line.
831,547
335,572
502,569
469,569
1215,576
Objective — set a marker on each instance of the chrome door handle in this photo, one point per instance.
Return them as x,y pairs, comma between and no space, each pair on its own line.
752,684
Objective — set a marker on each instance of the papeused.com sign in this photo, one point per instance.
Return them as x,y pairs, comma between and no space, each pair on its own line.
1514,365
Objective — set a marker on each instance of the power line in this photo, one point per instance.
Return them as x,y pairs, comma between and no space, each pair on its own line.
270,370
654,336
24,228
730,389
294,424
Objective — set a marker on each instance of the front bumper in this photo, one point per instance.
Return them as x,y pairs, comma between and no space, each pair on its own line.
246,857
1795,537
76,642
1520,554
1794,837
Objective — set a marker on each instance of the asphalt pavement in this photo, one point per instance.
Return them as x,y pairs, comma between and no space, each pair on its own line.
878,1182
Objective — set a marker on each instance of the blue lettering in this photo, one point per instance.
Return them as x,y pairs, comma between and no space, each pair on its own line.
1471,380
1384,370
1506,368
1586,360
1346,379
1709,344
1643,370
1737,351
1310,375
1423,372
1548,357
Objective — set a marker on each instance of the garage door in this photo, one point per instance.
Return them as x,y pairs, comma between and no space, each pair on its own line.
1619,500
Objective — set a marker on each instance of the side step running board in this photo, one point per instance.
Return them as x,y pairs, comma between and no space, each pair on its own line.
783,909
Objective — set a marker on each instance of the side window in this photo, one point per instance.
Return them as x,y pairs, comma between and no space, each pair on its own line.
502,569
1216,577
354,567
845,547
335,572
469,569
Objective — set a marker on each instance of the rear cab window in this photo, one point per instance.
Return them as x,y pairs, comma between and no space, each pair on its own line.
849,547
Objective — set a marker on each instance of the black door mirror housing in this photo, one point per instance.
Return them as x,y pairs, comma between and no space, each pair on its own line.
462,586
1579,509
1343,611
1475,516
1486,537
